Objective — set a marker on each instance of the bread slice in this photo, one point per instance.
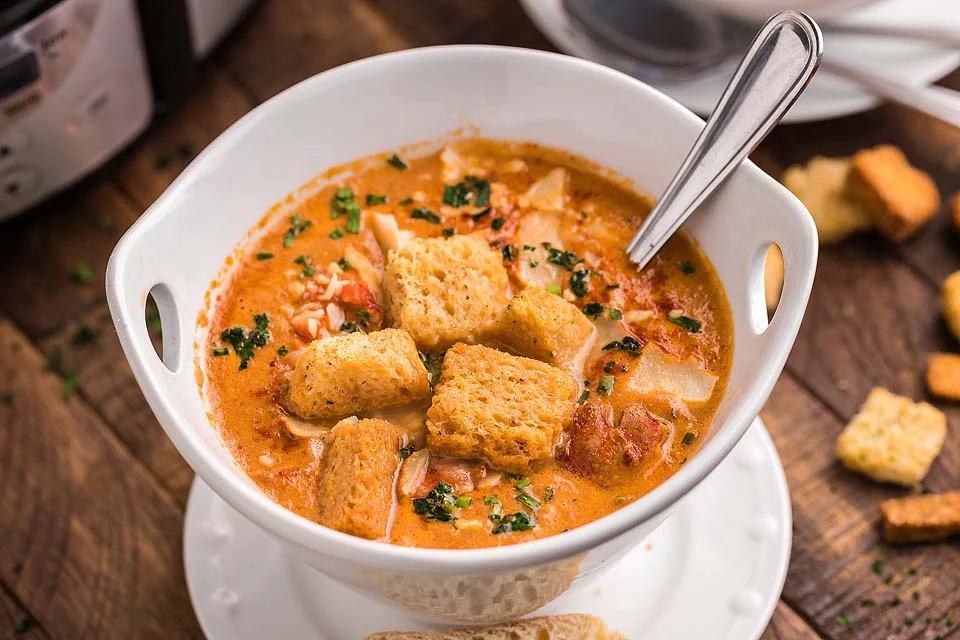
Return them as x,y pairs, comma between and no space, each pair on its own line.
571,626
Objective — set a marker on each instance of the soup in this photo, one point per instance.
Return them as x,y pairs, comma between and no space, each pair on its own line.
453,350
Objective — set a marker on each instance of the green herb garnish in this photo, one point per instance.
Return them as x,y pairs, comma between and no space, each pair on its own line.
69,385
496,509
244,342
579,283
297,226
406,201
688,438
439,504
350,327
687,268
523,483
85,334
395,162
422,213
448,232
308,269
615,314
433,363
374,199
548,493
515,522
593,310
463,501
82,274
583,396
691,325
509,252
498,223
283,350
221,351
842,620
566,259
528,501
343,264
627,343
406,451
878,567
608,367
264,255
554,289
605,386
336,234
456,195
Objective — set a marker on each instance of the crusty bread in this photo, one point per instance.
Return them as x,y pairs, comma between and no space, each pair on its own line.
345,374
925,518
899,197
544,326
892,438
504,409
445,290
355,490
821,185
571,626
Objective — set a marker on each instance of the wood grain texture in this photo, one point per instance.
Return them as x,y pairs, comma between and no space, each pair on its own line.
787,625
91,542
15,622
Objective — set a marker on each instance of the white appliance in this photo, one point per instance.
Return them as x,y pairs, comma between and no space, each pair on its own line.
81,79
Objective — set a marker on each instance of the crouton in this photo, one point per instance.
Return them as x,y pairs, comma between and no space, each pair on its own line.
955,211
921,518
355,491
943,375
349,373
503,409
445,290
892,439
821,186
561,627
773,277
544,326
899,198
950,302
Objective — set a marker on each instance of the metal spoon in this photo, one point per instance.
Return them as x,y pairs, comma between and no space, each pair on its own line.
774,72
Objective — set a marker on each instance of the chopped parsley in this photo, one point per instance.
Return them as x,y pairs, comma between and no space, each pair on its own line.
916,596
344,202
264,255
395,162
608,367
374,199
350,327
615,314
528,501
439,504
422,213
605,386
527,247
477,217
69,385
221,351
433,363
82,274
842,620
509,252
283,350
548,493
459,194
523,483
343,264
583,396
406,201
448,232
593,310
685,322
554,289
627,343
482,198
85,334
687,268
308,269
496,509
515,522
244,342
463,501
406,451
688,438
336,234
878,567
566,259
579,283
498,223
297,226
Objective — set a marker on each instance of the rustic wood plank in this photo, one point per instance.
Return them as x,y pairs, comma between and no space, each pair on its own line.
787,625
40,251
91,543
833,578
15,622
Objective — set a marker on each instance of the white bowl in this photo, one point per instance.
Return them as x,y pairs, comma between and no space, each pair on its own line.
379,104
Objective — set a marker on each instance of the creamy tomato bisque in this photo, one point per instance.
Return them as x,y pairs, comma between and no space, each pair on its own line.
454,351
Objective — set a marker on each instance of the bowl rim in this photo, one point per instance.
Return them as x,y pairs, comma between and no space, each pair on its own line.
245,497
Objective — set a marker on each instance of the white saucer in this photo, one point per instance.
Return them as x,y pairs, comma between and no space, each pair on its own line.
827,97
726,549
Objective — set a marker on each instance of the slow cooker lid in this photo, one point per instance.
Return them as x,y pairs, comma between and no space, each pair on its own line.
16,13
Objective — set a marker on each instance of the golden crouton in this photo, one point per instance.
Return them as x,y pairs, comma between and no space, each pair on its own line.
349,373
900,198
950,302
821,186
355,490
892,439
541,325
445,290
943,375
955,211
503,409
921,518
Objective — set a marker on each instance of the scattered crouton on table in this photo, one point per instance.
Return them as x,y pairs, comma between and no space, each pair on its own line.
943,375
926,518
821,186
892,439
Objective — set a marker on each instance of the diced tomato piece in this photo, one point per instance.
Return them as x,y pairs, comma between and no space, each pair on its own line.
359,296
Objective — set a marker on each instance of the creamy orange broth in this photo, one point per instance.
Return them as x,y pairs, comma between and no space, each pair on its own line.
598,220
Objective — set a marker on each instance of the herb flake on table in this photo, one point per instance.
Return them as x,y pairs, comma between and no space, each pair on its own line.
395,162
82,274
244,342
297,226
85,334
878,567
686,322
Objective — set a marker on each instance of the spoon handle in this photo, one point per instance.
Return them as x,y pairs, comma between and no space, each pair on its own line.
774,72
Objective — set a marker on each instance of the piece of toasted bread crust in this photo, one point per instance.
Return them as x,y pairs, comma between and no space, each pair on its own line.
821,186
926,518
503,409
899,197
445,290
355,489
892,439
544,326
572,626
943,375
950,302
345,374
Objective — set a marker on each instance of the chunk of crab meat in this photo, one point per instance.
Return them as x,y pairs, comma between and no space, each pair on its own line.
535,270
310,428
308,321
334,287
335,316
413,471
456,165
655,371
549,193
388,233
368,273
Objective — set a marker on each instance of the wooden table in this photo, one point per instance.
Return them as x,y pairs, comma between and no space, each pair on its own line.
92,493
